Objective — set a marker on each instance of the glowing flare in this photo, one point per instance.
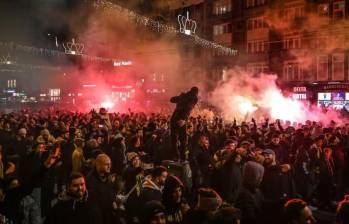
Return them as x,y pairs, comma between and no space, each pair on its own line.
282,107
107,104
245,105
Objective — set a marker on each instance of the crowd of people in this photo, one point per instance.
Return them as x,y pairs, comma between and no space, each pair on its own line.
100,167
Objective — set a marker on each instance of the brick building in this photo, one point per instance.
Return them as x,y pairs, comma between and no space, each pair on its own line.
304,42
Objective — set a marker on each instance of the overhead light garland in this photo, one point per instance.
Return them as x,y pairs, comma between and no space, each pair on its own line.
7,62
49,52
184,23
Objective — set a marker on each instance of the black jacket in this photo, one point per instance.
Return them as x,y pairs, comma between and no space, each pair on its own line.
70,211
277,185
102,193
10,207
185,102
250,202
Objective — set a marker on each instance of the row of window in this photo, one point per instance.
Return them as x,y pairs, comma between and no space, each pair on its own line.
256,68
294,13
294,72
222,7
254,3
257,46
222,29
291,43
256,23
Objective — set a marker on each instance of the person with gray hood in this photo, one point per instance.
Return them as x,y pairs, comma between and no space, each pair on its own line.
250,198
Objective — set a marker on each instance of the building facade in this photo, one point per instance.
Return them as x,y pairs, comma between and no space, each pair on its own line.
303,42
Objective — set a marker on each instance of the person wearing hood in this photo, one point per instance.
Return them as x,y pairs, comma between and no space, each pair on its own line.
153,185
74,206
117,153
185,102
172,198
149,190
250,198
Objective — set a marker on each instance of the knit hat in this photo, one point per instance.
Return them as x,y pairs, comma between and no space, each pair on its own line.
209,199
268,152
172,183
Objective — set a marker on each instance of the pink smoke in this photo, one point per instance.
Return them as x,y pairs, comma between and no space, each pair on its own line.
245,96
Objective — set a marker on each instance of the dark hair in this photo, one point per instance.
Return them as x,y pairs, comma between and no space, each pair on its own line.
194,90
157,171
171,184
227,215
207,192
73,176
293,209
342,214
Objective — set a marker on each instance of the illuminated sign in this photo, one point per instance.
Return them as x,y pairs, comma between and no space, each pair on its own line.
299,96
122,63
299,89
324,96
339,96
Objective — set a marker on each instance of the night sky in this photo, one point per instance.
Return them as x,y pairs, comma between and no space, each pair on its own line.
29,21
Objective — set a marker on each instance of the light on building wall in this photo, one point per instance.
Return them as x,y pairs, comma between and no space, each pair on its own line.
122,63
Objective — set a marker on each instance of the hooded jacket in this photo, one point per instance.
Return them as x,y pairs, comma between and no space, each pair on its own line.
173,209
72,211
250,198
150,192
185,102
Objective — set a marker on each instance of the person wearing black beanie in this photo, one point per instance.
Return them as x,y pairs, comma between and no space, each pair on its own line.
172,198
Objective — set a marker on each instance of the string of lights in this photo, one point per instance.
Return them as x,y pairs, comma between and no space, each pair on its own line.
160,27
11,46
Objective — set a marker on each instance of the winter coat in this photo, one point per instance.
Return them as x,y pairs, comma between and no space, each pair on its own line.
71,211
102,193
150,192
185,102
11,205
31,212
250,198
227,180
250,202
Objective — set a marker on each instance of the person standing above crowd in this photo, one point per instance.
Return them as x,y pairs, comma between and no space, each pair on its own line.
185,103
